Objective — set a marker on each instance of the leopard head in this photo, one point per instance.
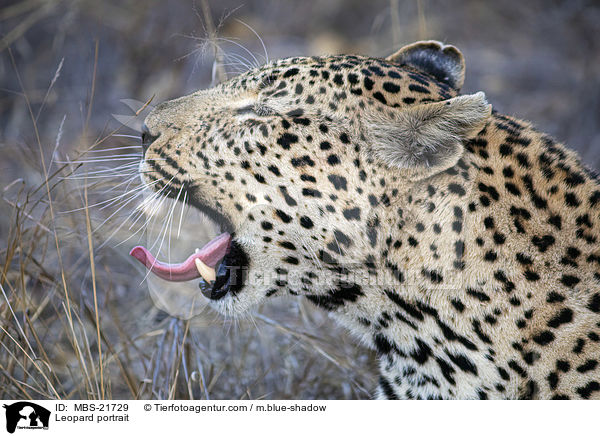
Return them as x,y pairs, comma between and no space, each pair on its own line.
306,163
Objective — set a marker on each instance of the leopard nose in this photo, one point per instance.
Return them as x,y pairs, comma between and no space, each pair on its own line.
147,137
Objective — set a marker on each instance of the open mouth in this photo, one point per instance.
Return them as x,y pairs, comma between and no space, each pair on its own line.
220,264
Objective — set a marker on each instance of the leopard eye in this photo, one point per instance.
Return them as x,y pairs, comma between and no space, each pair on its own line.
263,110
255,109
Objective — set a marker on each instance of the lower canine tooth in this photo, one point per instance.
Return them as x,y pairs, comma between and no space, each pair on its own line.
207,273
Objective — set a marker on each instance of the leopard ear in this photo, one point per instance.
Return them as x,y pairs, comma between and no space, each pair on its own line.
444,62
426,139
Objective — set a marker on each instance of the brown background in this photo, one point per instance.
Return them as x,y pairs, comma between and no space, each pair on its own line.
535,59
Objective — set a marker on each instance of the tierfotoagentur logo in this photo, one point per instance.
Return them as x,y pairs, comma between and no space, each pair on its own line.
26,415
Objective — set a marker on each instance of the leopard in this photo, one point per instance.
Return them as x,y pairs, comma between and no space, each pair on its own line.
458,243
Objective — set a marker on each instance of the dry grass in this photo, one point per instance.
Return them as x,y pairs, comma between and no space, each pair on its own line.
77,325
74,320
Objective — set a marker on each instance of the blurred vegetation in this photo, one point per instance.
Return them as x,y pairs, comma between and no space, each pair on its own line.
74,324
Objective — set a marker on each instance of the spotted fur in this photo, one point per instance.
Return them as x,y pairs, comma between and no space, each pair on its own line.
461,245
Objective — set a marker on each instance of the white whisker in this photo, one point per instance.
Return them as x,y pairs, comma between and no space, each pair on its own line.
104,150
122,135
108,176
259,38
231,41
160,233
113,199
136,215
141,214
120,171
111,159
127,182
171,219
137,194
240,60
183,204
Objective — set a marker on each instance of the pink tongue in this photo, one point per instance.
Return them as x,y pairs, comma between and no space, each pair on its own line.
210,254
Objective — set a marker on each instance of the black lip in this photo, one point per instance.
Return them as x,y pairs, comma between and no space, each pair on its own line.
231,271
231,274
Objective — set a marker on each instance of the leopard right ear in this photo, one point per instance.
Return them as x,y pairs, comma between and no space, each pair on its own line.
426,139
444,62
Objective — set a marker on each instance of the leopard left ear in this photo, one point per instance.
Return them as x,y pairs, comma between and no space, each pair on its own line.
426,139
444,62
